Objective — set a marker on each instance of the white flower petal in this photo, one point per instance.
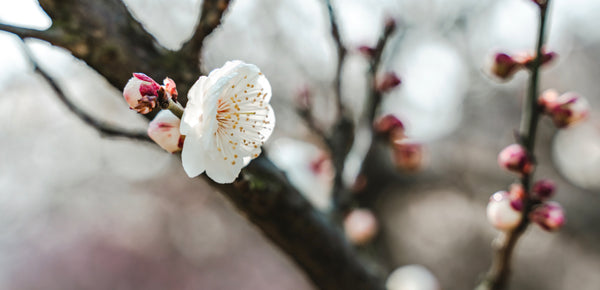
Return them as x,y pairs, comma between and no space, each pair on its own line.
193,157
224,172
231,117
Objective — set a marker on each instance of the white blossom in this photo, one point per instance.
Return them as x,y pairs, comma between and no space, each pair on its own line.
226,121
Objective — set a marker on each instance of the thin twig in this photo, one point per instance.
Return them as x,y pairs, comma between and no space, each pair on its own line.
497,277
341,52
103,128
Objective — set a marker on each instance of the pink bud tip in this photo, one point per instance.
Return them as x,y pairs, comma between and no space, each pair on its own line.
387,82
501,214
543,189
360,226
164,130
408,156
366,50
549,215
505,66
514,158
140,92
565,110
516,195
388,123
170,88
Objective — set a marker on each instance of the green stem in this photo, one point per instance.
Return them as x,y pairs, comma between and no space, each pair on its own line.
175,108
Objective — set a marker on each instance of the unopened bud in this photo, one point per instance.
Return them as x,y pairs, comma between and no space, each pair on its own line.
412,277
549,215
170,89
390,24
140,92
543,189
541,3
516,194
164,130
565,110
547,57
388,123
408,156
360,226
505,66
501,214
387,82
366,51
514,158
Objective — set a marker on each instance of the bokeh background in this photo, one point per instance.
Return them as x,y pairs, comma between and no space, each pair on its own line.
78,211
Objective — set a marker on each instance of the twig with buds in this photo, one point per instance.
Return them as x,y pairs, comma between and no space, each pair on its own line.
518,158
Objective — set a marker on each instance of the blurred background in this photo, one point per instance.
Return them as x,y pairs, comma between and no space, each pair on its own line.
78,211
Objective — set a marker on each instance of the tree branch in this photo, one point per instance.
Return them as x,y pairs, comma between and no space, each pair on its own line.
497,276
103,128
268,200
210,18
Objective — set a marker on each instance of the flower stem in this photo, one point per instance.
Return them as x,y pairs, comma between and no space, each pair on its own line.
497,276
175,108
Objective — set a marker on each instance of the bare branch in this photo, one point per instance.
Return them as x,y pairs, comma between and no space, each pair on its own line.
210,18
341,51
47,35
103,128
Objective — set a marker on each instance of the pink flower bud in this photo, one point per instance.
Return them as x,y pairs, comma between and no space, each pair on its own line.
566,109
408,156
549,215
505,66
170,89
543,189
516,194
514,158
541,3
366,51
387,82
500,212
360,226
388,123
140,92
164,130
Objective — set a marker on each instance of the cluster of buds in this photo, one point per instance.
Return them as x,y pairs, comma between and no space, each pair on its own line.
504,210
406,155
360,226
143,94
504,66
566,109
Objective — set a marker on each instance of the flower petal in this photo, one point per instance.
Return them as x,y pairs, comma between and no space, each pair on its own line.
193,157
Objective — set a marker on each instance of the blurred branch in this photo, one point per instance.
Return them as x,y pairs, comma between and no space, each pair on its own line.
210,18
103,128
48,35
341,52
269,201
342,137
375,95
497,276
